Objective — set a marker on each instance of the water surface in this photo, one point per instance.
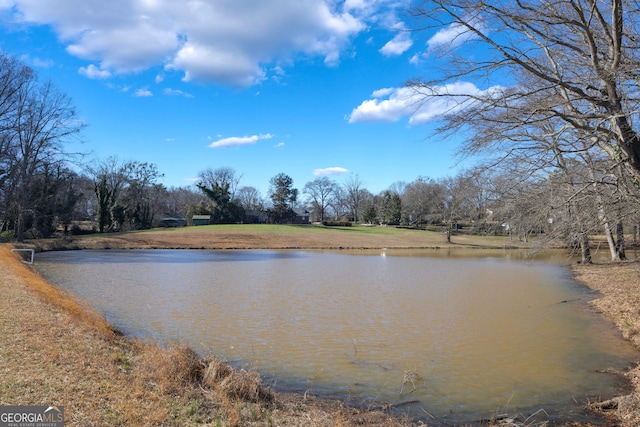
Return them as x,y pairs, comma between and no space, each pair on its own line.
460,336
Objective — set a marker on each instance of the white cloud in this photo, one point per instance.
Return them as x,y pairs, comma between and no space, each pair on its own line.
420,106
142,93
35,61
397,46
279,145
330,171
415,59
398,104
380,93
176,92
453,36
229,42
94,72
236,141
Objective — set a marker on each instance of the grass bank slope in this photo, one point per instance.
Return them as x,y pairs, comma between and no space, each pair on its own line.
56,351
619,302
263,236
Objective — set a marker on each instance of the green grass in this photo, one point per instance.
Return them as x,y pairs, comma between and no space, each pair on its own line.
270,236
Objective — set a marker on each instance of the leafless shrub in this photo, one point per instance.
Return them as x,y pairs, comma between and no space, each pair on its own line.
173,370
237,384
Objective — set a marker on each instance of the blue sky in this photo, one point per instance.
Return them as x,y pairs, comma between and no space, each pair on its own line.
304,87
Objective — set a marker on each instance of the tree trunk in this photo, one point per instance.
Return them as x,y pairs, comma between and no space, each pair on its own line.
610,241
20,226
620,241
584,249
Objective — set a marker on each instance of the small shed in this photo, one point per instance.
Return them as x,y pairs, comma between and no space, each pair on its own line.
201,219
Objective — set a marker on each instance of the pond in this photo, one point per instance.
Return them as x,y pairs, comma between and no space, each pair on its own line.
460,338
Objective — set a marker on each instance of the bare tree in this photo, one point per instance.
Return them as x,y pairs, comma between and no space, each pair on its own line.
37,122
220,185
142,193
109,179
339,204
576,63
250,198
223,177
320,191
417,200
354,195
14,76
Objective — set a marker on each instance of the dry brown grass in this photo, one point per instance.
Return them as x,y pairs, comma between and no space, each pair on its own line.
619,301
55,350
264,236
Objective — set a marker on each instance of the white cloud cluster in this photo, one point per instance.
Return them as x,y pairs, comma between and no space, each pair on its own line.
420,106
236,141
142,93
227,41
177,92
94,72
336,170
397,46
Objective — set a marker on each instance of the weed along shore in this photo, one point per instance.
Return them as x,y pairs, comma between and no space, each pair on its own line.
56,350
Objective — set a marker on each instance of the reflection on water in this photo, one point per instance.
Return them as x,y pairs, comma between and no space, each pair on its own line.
461,336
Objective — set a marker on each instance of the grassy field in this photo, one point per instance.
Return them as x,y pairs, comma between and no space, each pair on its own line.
56,350
263,236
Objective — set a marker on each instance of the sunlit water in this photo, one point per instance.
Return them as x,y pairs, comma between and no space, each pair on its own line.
462,337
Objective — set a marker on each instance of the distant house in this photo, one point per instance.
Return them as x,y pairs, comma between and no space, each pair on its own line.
171,220
201,219
255,217
303,216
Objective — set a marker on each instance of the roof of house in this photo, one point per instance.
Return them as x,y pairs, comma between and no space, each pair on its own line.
201,217
172,216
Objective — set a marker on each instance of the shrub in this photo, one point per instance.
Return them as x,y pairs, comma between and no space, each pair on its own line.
336,223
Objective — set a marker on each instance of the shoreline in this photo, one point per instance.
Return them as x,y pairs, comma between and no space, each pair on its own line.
307,410
618,301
